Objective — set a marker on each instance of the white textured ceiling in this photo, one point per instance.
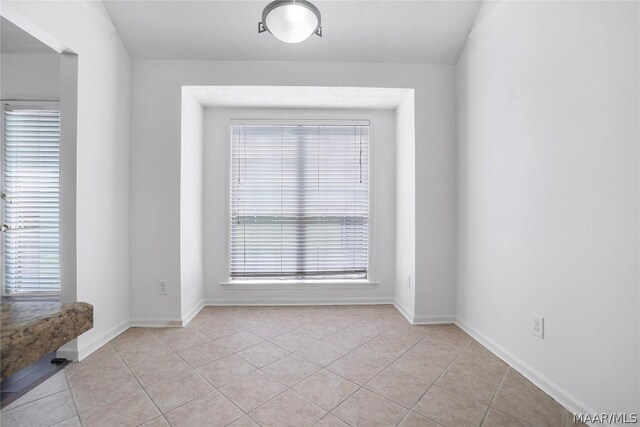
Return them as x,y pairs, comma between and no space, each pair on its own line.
15,40
368,31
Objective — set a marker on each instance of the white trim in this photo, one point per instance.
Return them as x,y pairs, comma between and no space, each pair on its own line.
403,310
156,322
298,285
84,350
299,301
422,320
570,402
433,319
488,17
188,317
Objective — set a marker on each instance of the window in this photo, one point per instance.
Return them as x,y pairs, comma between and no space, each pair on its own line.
31,202
299,200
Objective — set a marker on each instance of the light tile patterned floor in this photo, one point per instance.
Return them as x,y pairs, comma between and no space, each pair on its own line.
289,366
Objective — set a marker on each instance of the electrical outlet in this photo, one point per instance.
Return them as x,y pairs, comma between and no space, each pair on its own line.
163,287
538,326
409,282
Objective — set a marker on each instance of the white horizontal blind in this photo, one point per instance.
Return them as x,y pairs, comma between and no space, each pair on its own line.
31,154
299,200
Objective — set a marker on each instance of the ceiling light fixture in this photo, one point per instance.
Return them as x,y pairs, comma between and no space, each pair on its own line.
291,21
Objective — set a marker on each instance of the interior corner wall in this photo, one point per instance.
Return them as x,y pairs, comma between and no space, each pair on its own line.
405,280
191,290
155,161
548,107
102,185
435,212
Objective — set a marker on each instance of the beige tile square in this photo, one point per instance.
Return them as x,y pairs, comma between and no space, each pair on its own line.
204,353
69,422
367,409
379,351
293,341
104,389
150,350
291,370
244,421
43,412
326,389
416,420
356,368
252,390
400,338
288,409
437,349
131,410
322,353
78,372
476,357
330,421
320,330
520,398
420,366
225,370
212,409
239,341
178,390
350,338
181,338
156,422
159,369
54,384
268,330
496,418
398,387
450,409
214,326
450,334
132,338
262,354
470,383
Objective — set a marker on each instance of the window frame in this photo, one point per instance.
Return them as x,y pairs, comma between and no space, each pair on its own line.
311,119
27,105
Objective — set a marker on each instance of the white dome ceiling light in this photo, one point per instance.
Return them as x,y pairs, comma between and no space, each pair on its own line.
291,21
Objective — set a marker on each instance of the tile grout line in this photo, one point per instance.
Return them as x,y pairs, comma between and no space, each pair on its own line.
440,376
140,384
504,375
73,399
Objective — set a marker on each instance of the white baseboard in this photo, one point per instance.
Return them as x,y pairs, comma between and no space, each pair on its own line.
156,322
192,313
408,314
298,301
435,319
563,397
81,350
422,320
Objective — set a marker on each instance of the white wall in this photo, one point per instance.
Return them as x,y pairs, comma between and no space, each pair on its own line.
382,211
548,196
405,254
102,205
30,76
155,209
191,209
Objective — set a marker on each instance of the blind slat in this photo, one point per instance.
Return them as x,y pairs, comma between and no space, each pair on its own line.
31,155
299,200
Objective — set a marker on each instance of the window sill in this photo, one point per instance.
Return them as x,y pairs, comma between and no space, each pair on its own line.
298,284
